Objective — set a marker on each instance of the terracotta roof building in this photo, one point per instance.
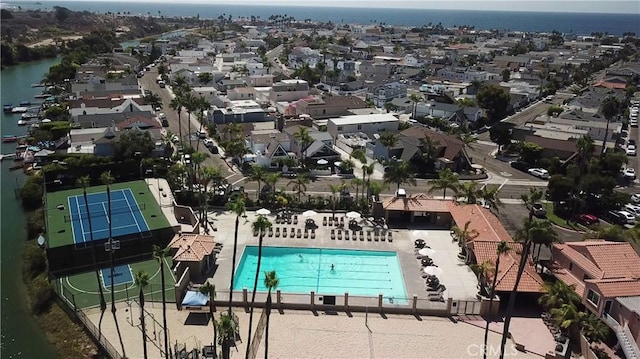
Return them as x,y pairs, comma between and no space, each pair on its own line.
195,251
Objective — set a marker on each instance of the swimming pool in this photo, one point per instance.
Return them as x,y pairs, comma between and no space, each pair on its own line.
302,270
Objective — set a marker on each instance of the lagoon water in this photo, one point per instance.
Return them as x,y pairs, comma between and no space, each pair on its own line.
21,336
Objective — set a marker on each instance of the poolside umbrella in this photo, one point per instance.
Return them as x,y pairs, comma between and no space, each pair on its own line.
263,212
426,252
309,213
353,215
322,162
431,270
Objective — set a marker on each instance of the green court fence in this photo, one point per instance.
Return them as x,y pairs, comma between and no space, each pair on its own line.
96,214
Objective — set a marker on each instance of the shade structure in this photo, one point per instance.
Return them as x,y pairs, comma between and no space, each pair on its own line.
322,162
309,213
426,252
263,212
353,215
431,270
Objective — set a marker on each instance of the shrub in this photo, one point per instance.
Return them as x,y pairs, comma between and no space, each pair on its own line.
41,294
35,223
35,261
31,193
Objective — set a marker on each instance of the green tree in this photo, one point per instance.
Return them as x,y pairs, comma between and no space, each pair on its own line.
501,249
610,107
335,190
594,329
176,105
415,98
568,318
108,179
133,144
388,140
142,281
209,290
270,281
489,195
299,185
546,236
85,181
257,174
556,294
529,199
469,190
494,100
446,180
205,77
304,139
237,207
190,103
152,99
585,147
261,225
501,135
530,152
228,331
506,75
160,254
399,172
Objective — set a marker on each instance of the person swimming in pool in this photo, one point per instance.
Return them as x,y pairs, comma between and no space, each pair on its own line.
332,267
300,256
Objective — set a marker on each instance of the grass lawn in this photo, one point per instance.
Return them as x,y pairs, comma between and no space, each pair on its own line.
558,221
60,232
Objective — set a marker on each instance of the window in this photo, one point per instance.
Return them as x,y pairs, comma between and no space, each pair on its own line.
339,128
359,127
593,298
570,266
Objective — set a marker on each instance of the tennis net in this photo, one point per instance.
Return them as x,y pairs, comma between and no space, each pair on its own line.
114,210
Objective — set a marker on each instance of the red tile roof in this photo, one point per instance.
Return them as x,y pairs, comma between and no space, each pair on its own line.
192,247
484,224
617,288
530,281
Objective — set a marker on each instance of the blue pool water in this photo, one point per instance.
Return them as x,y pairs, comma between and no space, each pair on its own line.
302,270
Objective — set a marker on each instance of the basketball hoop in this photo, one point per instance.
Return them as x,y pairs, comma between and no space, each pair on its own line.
116,246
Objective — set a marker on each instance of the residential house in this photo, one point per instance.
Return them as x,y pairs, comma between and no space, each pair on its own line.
268,148
591,100
386,92
107,106
262,80
319,107
289,90
241,93
569,126
320,148
512,62
606,277
367,124
462,74
238,111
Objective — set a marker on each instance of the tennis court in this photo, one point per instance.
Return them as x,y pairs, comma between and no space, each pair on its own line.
121,275
126,216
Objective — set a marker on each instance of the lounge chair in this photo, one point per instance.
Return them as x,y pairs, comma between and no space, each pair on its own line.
313,234
376,236
342,221
295,219
270,233
299,233
390,237
289,220
354,235
284,232
277,232
333,233
346,235
369,236
324,221
362,235
340,234
330,221
293,233
306,234
383,235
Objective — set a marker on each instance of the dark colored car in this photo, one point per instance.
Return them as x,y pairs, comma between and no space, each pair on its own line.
587,219
213,149
520,165
616,218
539,211
632,142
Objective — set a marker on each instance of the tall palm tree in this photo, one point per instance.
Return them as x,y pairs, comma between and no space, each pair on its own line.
270,281
594,329
531,229
609,108
304,139
414,98
257,174
335,190
176,105
375,188
546,236
261,225
367,171
85,181
202,105
469,190
142,281
356,183
529,199
501,249
210,290
238,208
160,254
558,293
190,103
388,139
568,317
227,329
489,195
430,149
399,172
299,185
108,179
206,175
585,146
446,180
462,234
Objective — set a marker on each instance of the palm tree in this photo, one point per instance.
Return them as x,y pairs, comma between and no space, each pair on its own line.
375,188
210,290
261,225
489,195
558,293
356,183
388,139
446,180
568,318
594,329
142,281
108,179
415,98
469,190
160,254
367,171
206,176
530,230
545,237
501,249
585,146
399,172
610,108
238,208
85,181
270,281
534,196
429,148
189,101
271,181
257,174
299,185
462,235
335,189
228,332
176,105
304,139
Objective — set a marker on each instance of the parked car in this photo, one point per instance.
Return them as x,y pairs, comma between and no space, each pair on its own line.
616,217
635,198
633,209
628,216
632,142
539,172
631,150
629,173
213,149
587,219
539,211
208,142
201,134
520,165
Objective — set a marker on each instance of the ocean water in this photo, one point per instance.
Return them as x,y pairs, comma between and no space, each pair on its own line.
577,23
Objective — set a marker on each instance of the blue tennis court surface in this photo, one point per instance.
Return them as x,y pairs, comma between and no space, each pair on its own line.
126,215
121,275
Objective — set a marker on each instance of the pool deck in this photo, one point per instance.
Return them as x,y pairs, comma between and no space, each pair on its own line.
460,281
